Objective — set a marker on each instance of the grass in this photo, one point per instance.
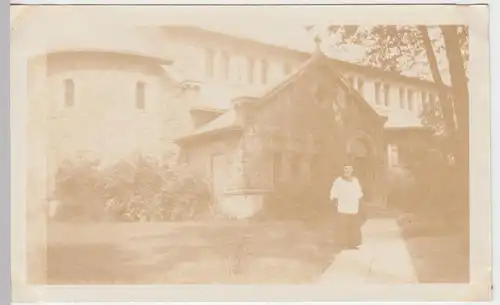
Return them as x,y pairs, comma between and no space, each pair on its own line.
162,253
440,254
439,259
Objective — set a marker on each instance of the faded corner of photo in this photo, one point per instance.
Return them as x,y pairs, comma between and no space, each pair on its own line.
165,145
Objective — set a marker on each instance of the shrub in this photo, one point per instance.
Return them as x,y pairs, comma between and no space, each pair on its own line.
136,190
304,203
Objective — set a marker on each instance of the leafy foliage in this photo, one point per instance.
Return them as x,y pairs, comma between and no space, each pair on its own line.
394,48
139,190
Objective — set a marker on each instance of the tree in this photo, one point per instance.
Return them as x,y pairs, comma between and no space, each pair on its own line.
400,48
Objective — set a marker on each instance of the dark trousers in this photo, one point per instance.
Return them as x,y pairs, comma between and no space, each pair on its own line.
348,230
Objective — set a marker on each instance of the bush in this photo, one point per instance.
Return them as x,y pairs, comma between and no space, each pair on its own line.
435,198
139,190
401,184
304,203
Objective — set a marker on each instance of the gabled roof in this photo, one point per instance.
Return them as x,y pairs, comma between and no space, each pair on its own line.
217,97
225,122
228,120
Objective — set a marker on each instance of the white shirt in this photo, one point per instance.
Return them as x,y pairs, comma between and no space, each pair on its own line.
348,193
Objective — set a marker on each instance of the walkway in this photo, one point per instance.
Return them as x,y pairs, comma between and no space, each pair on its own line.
382,259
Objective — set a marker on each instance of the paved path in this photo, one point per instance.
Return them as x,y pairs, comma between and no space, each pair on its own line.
382,259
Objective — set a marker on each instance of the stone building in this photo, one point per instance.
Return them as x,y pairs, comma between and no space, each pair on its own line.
248,116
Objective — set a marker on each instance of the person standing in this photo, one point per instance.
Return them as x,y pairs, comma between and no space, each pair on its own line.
346,193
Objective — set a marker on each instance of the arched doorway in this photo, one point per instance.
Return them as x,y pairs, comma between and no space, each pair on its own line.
361,153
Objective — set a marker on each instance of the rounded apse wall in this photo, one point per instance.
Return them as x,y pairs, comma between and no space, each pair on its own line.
105,106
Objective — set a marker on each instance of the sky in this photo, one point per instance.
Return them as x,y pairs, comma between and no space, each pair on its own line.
282,26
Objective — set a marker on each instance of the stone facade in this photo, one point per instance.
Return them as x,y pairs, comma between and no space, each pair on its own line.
103,120
311,122
124,103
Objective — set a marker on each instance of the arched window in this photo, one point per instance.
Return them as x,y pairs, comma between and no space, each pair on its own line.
140,95
393,155
69,92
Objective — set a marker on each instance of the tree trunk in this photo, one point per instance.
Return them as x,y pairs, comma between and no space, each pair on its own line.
444,102
457,195
461,102
460,91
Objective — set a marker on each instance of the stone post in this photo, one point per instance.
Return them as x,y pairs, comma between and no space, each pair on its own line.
244,197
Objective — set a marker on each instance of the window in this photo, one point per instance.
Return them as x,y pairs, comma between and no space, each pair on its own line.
377,93
432,99
225,65
393,155
250,70
239,69
402,98
361,85
69,93
209,58
424,101
424,97
387,94
264,71
411,100
277,166
287,68
140,95
428,99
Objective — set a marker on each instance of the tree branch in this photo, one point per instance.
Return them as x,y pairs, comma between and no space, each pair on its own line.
447,107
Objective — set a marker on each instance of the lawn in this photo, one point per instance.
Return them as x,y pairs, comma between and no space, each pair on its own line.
167,253
440,254
439,259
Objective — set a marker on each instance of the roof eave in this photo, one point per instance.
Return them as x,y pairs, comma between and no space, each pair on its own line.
357,95
210,135
349,65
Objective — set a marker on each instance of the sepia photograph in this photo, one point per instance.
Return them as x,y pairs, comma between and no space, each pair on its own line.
233,145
